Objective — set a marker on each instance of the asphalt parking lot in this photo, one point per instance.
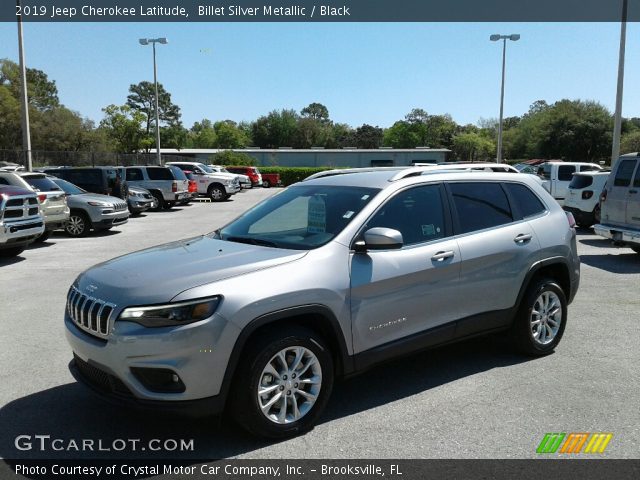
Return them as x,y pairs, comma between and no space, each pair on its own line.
472,400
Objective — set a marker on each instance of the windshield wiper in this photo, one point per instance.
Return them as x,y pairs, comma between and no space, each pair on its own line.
252,241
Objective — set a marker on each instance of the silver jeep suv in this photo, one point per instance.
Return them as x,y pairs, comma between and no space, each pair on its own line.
329,277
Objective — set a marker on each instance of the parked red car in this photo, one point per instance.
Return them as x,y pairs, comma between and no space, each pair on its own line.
271,180
193,184
252,172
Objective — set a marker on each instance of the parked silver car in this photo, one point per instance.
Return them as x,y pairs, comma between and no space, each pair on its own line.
91,210
140,200
331,276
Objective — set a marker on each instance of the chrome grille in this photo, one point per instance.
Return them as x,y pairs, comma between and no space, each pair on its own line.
90,314
119,206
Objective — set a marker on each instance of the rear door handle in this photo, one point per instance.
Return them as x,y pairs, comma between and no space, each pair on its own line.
633,191
442,256
522,238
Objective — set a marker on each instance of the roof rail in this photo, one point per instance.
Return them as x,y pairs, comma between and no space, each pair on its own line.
344,171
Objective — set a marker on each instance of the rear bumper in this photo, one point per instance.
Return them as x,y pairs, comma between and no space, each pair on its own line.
618,234
582,217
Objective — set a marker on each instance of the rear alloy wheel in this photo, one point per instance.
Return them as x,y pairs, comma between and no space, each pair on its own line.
78,225
159,200
266,184
217,193
284,383
542,318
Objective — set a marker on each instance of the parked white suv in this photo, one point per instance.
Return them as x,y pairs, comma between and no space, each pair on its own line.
557,176
583,199
218,186
620,204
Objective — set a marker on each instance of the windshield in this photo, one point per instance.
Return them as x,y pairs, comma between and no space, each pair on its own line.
205,168
301,217
69,188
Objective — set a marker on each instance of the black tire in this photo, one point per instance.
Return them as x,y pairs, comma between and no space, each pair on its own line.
524,331
266,184
44,237
596,213
78,225
160,199
11,252
256,356
168,205
636,249
217,193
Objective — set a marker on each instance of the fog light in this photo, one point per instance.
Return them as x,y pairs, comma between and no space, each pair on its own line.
159,380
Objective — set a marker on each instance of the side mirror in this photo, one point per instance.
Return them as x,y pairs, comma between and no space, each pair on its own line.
380,238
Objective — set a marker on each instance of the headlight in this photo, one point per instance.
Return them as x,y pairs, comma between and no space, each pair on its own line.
100,204
171,314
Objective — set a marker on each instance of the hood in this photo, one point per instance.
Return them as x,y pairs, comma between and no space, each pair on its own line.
158,274
138,190
96,197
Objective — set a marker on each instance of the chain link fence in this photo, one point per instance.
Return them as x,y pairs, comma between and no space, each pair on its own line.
40,158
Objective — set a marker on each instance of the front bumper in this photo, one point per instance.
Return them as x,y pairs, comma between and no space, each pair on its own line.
198,353
139,205
618,234
16,234
232,189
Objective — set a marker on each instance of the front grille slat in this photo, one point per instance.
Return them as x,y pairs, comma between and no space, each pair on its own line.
90,314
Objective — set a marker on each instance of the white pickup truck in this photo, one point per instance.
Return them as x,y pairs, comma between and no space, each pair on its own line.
556,176
218,186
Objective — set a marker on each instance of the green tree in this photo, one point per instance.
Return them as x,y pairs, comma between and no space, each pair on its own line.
173,136
142,99
228,135
61,129
10,134
124,126
277,129
367,136
202,135
472,147
229,157
402,134
316,111
42,92
630,142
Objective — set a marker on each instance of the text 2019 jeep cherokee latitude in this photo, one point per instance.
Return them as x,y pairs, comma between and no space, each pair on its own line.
329,277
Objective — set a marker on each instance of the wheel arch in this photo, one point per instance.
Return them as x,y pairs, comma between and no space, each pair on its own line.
318,318
555,268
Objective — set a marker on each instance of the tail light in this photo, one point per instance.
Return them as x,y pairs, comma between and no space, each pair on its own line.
603,195
174,187
587,194
570,219
42,197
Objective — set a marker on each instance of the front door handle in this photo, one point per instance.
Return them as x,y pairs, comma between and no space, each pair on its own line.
522,238
442,256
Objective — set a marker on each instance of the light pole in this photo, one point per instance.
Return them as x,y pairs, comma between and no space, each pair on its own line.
617,117
153,41
494,38
24,99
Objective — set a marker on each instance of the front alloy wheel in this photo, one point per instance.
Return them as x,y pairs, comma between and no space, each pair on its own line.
217,194
283,383
289,385
77,225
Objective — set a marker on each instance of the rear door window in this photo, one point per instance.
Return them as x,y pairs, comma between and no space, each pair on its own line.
636,179
480,205
134,175
159,173
524,200
624,173
580,181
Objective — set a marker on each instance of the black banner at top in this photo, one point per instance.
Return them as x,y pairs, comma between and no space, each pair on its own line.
318,10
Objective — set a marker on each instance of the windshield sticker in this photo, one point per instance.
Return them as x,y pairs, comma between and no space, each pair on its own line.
317,215
349,214
365,197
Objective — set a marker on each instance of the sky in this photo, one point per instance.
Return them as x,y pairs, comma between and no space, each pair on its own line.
371,73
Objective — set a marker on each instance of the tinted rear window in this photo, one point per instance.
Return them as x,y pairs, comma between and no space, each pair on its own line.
623,175
159,173
480,205
41,184
177,172
525,201
581,181
134,175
